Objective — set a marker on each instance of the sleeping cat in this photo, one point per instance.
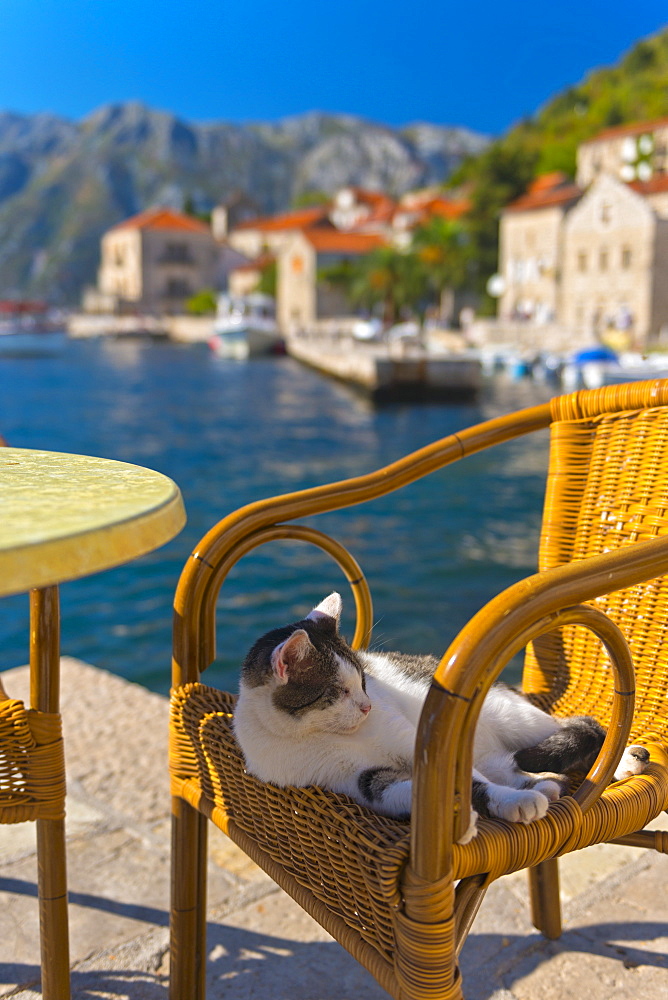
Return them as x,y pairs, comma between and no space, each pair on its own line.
312,711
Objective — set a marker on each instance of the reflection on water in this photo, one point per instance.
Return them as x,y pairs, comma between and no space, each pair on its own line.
229,433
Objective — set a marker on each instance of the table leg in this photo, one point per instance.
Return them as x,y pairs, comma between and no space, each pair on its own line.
51,858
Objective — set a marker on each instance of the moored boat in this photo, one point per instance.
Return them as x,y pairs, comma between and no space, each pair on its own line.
29,328
596,367
245,326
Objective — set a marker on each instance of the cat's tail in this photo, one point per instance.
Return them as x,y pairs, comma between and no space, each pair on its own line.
573,747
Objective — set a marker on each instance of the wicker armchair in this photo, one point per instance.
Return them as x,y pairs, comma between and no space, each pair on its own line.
401,897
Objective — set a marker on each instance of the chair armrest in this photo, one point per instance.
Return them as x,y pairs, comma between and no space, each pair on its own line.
240,531
535,605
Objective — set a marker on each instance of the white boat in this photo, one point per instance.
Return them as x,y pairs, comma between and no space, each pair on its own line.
637,368
245,326
589,371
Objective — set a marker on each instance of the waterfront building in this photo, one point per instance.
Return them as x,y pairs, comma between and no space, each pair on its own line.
154,262
591,257
636,152
615,264
531,249
301,298
258,237
306,241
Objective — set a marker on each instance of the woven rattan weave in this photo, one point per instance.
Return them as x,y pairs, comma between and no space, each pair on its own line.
32,765
401,897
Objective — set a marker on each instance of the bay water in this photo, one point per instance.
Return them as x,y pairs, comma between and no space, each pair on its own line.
231,432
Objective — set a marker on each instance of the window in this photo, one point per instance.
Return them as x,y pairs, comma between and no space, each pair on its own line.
582,261
603,260
177,288
605,213
626,258
176,253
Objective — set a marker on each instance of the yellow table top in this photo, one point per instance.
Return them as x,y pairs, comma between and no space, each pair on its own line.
65,516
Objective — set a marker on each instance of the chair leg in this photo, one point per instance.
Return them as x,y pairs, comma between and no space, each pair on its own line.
469,894
545,903
52,888
187,975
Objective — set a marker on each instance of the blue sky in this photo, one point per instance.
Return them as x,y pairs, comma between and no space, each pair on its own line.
482,64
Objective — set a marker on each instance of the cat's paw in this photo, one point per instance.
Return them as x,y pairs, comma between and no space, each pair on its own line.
550,788
520,805
634,761
472,829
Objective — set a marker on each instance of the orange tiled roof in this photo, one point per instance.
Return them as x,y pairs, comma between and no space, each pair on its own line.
163,218
377,199
419,212
546,198
548,181
300,219
633,128
379,215
654,185
447,208
336,241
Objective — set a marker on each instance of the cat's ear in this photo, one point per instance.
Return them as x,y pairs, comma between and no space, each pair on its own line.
330,609
291,656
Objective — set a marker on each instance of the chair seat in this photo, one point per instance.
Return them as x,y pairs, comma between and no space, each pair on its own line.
351,859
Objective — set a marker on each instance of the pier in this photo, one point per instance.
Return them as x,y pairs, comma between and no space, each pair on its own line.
390,372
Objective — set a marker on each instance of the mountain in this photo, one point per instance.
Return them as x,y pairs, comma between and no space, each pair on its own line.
63,183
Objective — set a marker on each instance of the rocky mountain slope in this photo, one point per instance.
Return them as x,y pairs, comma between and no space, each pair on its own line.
62,183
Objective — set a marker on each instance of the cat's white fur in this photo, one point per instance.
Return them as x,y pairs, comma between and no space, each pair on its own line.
376,728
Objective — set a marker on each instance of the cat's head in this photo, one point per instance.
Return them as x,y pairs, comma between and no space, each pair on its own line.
312,675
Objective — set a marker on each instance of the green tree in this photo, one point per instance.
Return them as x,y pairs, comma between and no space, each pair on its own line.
202,303
267,282
311,199
634,90
506,170
442,249
387,277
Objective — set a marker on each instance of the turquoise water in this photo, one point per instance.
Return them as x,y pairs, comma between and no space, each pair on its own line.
230,432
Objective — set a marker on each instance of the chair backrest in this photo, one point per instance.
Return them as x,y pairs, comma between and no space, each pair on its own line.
607,487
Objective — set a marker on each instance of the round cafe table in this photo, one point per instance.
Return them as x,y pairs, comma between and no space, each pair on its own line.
63,517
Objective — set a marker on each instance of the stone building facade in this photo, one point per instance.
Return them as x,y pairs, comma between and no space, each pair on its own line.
531,250
593,256
634,152
301,298
614,263
155,261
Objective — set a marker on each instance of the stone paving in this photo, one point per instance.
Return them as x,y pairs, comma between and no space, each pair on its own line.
261,944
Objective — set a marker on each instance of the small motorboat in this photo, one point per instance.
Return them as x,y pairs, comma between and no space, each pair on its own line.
595,367
589,367
245,327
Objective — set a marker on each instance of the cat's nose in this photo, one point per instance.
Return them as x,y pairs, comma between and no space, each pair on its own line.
365,707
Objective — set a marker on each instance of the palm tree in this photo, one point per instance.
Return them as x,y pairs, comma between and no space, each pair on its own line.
442,250
391,278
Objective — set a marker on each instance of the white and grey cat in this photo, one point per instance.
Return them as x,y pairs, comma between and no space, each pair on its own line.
312,711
